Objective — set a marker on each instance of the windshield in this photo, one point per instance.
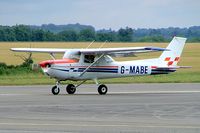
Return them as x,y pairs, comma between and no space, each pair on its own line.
72,54
107,58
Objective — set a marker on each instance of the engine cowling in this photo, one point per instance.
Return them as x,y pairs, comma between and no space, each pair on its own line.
49,63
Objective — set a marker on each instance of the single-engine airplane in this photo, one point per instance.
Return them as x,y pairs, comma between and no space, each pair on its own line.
93,64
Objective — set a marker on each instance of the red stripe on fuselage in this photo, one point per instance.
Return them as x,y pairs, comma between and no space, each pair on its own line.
153,67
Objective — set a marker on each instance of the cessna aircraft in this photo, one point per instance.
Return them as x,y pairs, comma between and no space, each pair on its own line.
93,64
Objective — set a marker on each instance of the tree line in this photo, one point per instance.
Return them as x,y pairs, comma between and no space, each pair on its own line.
28,33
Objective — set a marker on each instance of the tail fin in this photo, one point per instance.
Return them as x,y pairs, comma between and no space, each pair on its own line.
172,57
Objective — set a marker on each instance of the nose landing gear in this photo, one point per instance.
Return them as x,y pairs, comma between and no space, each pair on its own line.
55,89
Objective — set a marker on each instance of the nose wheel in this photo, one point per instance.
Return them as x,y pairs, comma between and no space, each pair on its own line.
55,90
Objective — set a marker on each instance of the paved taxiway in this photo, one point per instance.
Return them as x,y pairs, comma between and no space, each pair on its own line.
138,108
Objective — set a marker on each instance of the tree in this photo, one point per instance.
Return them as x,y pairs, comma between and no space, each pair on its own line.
68,35
7,34
87,35
125,35
41,35
103,36
37,35
152,39
49,36
22,33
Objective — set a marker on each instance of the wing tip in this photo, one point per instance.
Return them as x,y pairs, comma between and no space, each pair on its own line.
156,49
13,49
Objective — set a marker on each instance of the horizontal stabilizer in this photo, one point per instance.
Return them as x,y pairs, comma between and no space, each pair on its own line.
165,70
173,67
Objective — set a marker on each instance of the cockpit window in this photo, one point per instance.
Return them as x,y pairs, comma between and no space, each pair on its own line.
74,55
108,59
89,58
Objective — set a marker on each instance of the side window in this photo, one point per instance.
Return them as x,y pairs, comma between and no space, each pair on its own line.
89,58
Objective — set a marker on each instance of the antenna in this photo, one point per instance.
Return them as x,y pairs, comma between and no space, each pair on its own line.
90,44
103,44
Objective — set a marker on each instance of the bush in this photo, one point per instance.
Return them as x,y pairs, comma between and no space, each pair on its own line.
25,67
3,65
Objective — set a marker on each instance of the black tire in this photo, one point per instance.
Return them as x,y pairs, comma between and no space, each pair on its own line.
55,90
71,89
102,89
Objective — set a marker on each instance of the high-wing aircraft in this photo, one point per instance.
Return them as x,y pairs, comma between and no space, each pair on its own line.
93,64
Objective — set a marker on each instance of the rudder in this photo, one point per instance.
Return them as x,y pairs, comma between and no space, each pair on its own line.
172,57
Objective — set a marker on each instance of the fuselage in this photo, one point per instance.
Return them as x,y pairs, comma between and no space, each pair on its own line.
68,69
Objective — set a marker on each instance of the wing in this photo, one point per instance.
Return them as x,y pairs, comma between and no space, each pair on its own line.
128,51
39,50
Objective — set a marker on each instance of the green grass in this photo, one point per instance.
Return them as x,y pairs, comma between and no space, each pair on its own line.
190,57
40,79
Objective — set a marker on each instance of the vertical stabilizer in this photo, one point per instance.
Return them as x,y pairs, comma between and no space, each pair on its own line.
172,57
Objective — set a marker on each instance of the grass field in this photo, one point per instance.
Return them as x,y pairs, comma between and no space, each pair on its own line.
190,57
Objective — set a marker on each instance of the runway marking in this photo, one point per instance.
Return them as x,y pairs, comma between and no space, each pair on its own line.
127,92
143,125
153,92
12,94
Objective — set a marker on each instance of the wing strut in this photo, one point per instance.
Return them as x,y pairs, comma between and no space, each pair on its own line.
90,44
102,44
80,83
91,65
52,56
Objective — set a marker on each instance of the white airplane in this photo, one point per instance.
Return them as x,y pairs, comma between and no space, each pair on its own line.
93,64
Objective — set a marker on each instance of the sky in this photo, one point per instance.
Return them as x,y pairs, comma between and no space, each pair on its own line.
114,14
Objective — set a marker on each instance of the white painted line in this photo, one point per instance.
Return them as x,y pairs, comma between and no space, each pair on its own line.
60,124
113,92
143,125
10,94
153,92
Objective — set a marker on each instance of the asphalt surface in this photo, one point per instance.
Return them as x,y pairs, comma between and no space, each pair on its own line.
134,108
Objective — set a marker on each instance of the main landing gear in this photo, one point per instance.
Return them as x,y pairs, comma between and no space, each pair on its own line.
102,89
71,89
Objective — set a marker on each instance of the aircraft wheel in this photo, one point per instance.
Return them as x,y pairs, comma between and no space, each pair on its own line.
55,90
71,89
102,89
